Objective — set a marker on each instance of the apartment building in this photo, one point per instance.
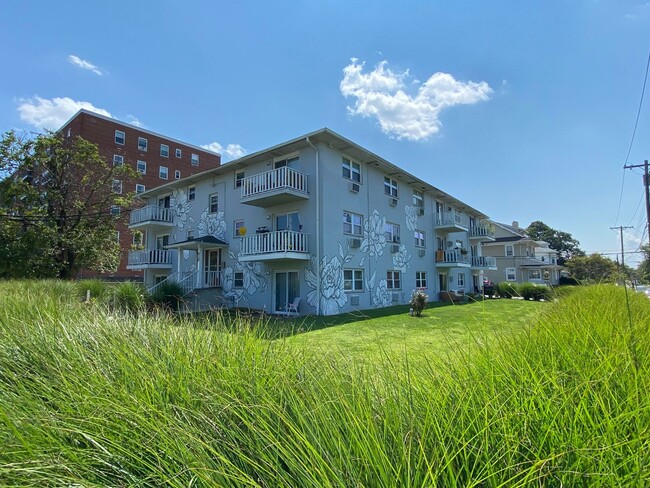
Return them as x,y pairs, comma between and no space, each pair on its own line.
158,159
520,259
317,223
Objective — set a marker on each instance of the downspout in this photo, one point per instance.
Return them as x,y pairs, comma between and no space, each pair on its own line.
317,224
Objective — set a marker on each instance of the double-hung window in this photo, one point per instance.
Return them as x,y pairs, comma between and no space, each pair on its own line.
191,193
213,203
139,188
510,250
117,186
353,279
419,238
510,274
119,137
420,279
142,167
164,150
179,153
118,160
392,232
390,187
351,170
352,224
418,199
163,173
195,159
239,178
142,144
393,281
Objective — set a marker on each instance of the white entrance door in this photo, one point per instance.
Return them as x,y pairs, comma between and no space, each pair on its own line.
212,268
287,288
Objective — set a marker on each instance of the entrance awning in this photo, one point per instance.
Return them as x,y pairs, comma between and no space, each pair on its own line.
205,242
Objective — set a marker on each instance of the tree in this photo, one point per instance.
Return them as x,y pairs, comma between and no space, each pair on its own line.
643,270
592,269
58,204
560,241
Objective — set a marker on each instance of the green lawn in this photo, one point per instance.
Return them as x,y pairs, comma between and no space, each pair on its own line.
440,328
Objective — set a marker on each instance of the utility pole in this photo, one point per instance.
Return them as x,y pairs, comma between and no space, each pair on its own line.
646,183
620,229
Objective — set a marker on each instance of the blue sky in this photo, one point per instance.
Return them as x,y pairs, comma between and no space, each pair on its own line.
524,110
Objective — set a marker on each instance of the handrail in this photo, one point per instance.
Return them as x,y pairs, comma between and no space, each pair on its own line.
275,179
276,241
151,213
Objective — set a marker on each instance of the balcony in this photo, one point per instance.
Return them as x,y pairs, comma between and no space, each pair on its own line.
150,259
481,232
484,262
151,216
451,221
275,187
452,259
278,245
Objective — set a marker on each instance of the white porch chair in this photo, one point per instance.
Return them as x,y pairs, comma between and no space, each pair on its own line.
292,307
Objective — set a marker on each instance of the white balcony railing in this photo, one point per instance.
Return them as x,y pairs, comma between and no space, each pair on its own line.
478,231
276,179
151,213
274,242
150,257
484,261
452,257
451,218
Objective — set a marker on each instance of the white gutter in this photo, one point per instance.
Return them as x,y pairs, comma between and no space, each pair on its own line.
317,225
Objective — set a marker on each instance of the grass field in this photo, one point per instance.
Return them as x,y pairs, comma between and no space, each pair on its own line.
501,393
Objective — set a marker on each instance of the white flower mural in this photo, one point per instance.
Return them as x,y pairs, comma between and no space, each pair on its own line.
212,225
332,293
180,207
382,296
374,239
411,217
254,278
402,259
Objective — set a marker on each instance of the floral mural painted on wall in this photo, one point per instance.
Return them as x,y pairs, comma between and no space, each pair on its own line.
379,296
180,207
212,224
332,293
411,217
402,259
374,238
254,278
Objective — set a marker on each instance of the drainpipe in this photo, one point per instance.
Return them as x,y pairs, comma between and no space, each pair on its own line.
317,224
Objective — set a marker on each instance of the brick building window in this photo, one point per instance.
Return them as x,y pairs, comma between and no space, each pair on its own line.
142,144
163,173
119,137
164,150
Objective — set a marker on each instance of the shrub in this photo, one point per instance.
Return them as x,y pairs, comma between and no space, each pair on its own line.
507,290
418,301
128,296
567,280
527,291
98,289
168,295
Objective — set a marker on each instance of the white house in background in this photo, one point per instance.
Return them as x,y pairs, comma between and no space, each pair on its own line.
318,218
519,258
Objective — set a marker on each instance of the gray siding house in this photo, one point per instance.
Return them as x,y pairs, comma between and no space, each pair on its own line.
318,222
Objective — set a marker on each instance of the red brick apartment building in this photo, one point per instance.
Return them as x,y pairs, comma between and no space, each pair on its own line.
159,159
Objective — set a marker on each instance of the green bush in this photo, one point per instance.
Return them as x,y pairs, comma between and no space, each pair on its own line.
99,290
507,290
128,296
418,301
168,295
526,290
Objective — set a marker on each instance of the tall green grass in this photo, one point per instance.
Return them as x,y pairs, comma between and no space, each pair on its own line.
99,398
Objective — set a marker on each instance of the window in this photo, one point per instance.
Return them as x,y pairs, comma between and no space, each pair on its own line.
163,172
213,203
237,229
142,167
418,199
419,238
510,250
117,236
191,193
352,224
239,179
136,239
117,186
177,174
142,144
392,232
461,279
353,279
179,153
393,280
119,137
510,274
534,274
390,187
118,160
351,170
115,210
139,188
195,159
420,279
292,162
190,234
162,241
238,281
164,150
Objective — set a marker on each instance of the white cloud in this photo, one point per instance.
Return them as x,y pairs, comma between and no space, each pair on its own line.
381,93
231,151
52,114
83,64
133,120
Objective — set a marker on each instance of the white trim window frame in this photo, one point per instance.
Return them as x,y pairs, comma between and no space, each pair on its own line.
143,144
163,172
237,226
418,199
391,187
195,159
213,203
118,160
421,280
141,167
511,274
164,150
391,231
191,193
179,153
140,188
510,250
177,174
461,280
393,280
352,224
353,280
420,238
117,186
351,170
120,137
239,178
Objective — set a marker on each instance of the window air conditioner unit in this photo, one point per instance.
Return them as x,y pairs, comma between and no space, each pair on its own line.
395,297
355,243
354,300
394,249
393,202
422,252
420,211
354,187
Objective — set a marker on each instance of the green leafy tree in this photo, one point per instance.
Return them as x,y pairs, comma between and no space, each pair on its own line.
592,269
58,205
643,271
560,241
